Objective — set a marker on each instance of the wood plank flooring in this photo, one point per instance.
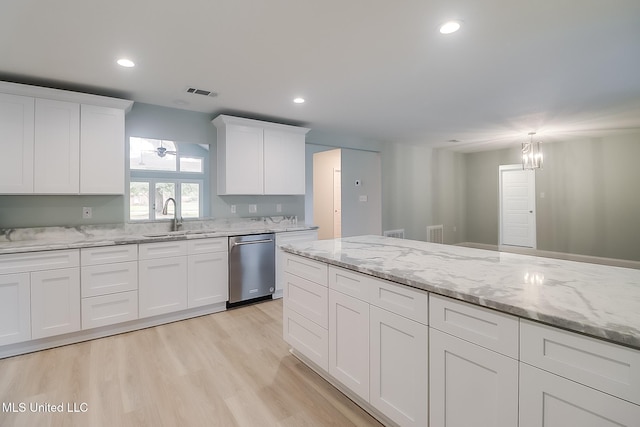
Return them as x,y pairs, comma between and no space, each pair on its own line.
226,369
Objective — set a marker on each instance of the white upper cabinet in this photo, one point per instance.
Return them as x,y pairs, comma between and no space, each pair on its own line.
16,144
57,147
102,150
284,162
256,157
59,142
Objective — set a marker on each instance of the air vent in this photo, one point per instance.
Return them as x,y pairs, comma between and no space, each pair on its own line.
435,233
399,233
201,92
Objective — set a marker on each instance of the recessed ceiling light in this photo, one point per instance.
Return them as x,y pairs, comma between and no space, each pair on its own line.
298,100
450,27
124,62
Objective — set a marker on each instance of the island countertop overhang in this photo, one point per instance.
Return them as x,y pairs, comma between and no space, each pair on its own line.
597,300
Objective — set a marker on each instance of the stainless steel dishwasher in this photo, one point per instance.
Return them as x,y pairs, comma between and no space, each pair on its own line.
252,267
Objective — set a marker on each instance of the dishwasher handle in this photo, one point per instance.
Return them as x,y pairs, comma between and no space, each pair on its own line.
251,242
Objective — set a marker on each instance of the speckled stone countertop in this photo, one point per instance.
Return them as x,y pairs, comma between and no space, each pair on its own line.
14,241
596,300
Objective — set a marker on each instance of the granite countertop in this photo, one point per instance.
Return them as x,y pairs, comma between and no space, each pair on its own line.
55,238
597,300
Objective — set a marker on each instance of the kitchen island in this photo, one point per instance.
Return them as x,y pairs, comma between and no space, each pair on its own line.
560,338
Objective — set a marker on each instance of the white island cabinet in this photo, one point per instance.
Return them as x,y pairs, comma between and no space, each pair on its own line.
569,379
285,238
256,157
473,364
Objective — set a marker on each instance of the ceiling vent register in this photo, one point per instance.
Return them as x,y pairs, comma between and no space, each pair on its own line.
202,92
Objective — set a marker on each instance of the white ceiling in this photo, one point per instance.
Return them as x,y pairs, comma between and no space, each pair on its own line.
372,68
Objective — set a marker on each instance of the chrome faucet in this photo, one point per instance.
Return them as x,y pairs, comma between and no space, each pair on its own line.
175,223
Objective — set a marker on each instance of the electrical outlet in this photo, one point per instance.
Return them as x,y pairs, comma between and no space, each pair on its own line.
87,213
253,208
278,207
233,208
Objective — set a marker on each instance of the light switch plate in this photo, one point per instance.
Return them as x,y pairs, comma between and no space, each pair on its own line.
253,208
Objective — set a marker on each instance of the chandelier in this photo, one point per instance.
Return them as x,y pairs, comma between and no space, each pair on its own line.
531,154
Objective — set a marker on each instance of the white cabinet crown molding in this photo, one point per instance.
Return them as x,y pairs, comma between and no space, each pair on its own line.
223,120
65,95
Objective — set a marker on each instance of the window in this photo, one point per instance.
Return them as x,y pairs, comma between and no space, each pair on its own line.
159,170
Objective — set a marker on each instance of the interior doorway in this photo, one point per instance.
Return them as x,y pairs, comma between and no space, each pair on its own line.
327,193
517,212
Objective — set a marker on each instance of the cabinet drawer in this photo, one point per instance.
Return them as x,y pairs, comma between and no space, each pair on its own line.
108,254
307,298
550,400
306,337
289,237
398,299
109,309
350,283
36,261
306,268
201,246
162,249
109,278
487,328
599,364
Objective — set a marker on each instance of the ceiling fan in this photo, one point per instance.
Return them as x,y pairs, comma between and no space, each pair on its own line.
162,151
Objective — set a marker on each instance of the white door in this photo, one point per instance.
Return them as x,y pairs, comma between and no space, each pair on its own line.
470,385
399,362
337,203
552,401
517,206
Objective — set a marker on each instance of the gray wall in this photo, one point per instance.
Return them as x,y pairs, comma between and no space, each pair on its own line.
591,203
360,217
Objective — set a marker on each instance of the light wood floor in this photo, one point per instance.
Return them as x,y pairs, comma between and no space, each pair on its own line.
225,369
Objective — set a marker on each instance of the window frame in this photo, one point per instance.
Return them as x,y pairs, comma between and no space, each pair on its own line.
177,196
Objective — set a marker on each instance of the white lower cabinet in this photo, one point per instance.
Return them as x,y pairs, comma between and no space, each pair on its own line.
470,385
55,302
208,279
349,342
15,308
109,309
286,238
162,286
398,367
549,400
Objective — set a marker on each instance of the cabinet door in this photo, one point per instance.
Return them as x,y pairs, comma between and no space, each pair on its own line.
470,385
552,401
208,279
16,144
15,308
55,302
349,342
57,147
102,155
240,160
284,162
162,286
399,366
